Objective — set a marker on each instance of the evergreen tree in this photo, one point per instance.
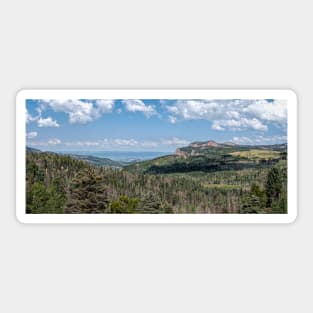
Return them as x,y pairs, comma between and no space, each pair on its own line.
61,184
167,209
38,199
87,194
251,205
150,204
260,193
57,197
273,187
124,205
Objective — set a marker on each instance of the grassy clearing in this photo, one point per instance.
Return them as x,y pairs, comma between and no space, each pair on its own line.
257,154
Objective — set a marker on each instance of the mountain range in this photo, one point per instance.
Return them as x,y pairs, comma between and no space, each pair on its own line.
210,156
204,156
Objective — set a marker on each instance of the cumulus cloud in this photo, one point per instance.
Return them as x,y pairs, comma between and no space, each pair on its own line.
259,140
269,111
50,142
150,144
240,124
172,119
242,140
104,106
231,114
86,143
125,142
41,122
79,111
47,122
175,142
104,143
31,135
54,141
136,105
113,143
29,117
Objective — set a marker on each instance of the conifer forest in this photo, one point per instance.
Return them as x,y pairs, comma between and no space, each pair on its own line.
201,178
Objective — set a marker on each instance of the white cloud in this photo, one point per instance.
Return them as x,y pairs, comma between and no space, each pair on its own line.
54,141
149,144
217,126
175,142
104,106
28,117
139,106
259,140
50,142
269,111
172,119
239,124
47,122
80,112
125,142
112,143
231,114
104,143
242,140
195,109
83,143
31,135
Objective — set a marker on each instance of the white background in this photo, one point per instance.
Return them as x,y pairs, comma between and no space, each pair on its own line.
154,268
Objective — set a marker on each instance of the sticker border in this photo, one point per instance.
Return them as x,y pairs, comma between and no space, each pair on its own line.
292,141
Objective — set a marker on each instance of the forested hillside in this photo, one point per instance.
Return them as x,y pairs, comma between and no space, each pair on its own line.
217,182
212,157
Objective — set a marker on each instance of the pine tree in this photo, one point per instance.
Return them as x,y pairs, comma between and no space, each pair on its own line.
150,204
167,209
273,187
251,205
57,197
260,193
124,205
38,199
87,194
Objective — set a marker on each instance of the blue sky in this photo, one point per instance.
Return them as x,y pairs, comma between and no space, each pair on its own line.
151,125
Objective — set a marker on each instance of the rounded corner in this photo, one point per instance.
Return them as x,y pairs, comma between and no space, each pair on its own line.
292,94
20,218
292,218
20,93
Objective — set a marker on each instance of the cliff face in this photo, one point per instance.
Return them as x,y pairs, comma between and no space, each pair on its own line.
181,153
195,148
209,143
200,148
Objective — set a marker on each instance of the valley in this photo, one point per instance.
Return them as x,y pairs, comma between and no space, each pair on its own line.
203,177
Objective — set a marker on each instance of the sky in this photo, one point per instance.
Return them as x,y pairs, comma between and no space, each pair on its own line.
151,125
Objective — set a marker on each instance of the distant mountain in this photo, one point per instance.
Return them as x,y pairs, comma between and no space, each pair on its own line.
241,181
210,147
206,156
210,156
29,149
229,143
87,158
210,143
97,161
197,147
